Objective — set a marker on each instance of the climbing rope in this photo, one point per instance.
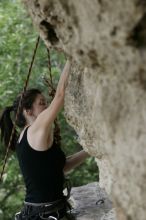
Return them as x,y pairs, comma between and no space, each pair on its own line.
19,107
52,91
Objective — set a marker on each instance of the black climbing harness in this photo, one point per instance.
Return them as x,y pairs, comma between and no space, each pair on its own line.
52,211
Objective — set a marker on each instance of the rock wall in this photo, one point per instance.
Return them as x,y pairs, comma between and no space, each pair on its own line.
106,96
84,200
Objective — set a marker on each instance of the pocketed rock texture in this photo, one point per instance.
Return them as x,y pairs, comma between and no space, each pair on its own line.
106,95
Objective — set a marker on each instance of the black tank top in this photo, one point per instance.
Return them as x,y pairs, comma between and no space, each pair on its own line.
42,171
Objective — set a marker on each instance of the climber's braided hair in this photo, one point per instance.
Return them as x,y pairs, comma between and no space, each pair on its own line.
6,123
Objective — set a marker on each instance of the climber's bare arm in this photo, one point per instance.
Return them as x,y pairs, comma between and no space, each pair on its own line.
41,127
75,160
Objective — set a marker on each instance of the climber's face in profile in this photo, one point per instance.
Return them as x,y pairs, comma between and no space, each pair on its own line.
39,105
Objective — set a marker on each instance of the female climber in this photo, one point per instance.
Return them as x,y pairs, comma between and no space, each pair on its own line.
43,164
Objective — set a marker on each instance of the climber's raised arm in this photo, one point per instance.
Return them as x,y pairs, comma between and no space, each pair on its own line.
75,160
40,133
46,118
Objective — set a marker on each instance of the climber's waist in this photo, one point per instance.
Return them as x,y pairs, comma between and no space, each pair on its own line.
58,207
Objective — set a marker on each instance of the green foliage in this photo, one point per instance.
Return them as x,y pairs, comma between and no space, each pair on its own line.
17,43
11,190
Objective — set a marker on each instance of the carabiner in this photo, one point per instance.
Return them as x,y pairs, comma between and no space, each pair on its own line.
52,217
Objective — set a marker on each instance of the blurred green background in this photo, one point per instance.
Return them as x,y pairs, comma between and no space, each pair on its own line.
17,42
